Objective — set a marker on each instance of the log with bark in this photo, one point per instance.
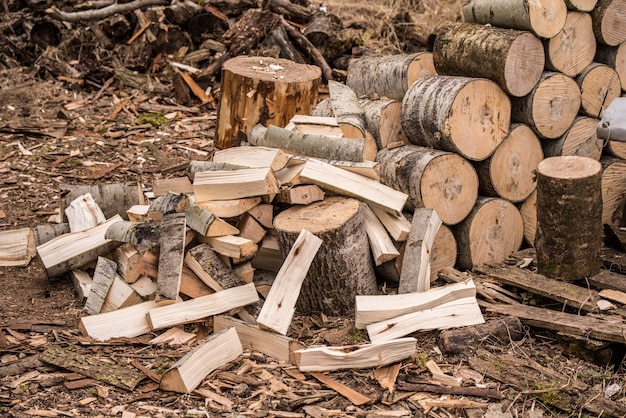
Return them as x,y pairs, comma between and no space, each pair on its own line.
609,17
569,217
614,57
513,59
574,47
581,5
469,116
383,120
580,139
613,191
599,85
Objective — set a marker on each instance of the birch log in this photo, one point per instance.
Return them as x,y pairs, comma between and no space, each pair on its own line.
382,119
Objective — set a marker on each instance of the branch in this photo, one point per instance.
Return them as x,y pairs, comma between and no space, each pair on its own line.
104,12
313,52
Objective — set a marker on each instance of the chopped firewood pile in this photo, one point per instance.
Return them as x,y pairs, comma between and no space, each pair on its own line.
381,239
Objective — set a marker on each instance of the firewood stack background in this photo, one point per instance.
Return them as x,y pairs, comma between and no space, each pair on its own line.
265,261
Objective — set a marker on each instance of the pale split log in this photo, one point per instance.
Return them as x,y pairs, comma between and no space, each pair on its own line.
268,256
84,213
199,308
383,120
113,199
581,5
146,288
205,262
82,284
572,49
129,262
230,208
103,278
528,210
362,356
353,185
466,115
225,185
599,85
347,110
126,322
232,246
250,228
544,18
289,176
262,90
457,313
389,75
609,17
367,169
174,185
614,57
252,337
69,251
511,171
439,377
316,125
382,246
513,59
120,295
343,266
613,191
197,166
264,214
300,195
377,308
17,247
135,233
569,217
253,157
397,225
439,180
492,231
311,145
352,395
551,107
173,337
171,253
138,213
245,271
415,273
214,352
279,306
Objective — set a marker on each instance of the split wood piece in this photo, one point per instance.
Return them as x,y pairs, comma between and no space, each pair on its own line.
528,210
574,47
113,199
174,185
415,273
230,208
146,288
82,284
488,293
139,213
513,59
300,195
388,76
353,396
580,139
398,225
236,184
382,246
457,313
613,295
253,157
113,374
581,5
466,115
252,337
614,57
609,17
551,107
151,262
73,250
171,254
319,359
347,110
136,233
120,295
311,145
500,330
599,85
343,266
386,376
45,232
289,176
353,185
383,120
279,306
245,271
197,166
511,171
607,279
268,256
84,213
439,377
569,217
196,309
214,352
544,18
262,89
492,231
325,125
232,246
250,228
17,247
439,180
103,277
566,293
377,308
127,322
129,262
173,337
367,169
210,268
264,214
444,252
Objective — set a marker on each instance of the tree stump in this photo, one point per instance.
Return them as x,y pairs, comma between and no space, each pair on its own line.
574,47
613,191
513,59
492,231
511,171
581,139
609,17
569,217
263,90
614,57
599,86
434,179
343,266
466,115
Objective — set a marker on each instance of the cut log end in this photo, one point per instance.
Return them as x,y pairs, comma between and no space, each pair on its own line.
599,86
547,17
524,64
608,20
569,167
574,47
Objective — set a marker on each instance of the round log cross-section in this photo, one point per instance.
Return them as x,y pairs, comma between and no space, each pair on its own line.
268,91
343,266
568,238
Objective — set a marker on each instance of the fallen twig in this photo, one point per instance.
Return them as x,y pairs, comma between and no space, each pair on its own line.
104,12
